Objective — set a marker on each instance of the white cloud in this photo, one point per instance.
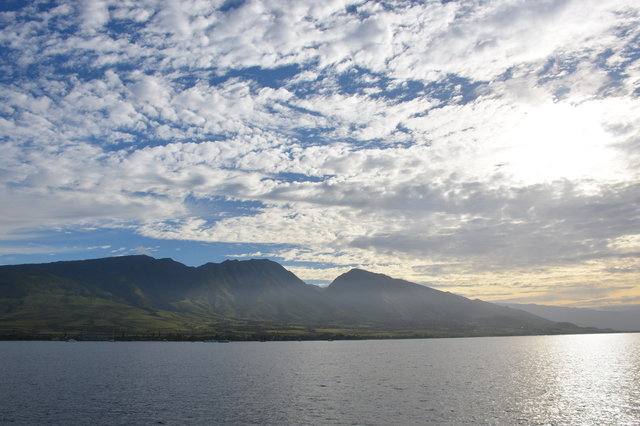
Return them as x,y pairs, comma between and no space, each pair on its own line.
463,137
94,15
492,37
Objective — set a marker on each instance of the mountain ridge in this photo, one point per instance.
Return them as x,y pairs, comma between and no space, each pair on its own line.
239,297
624,320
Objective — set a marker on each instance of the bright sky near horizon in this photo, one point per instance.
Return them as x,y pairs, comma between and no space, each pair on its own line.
486,147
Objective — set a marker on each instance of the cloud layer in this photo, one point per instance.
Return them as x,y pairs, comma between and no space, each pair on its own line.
491,146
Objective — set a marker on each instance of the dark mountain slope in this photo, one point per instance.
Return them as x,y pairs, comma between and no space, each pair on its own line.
256,289
99,295
141,281
380,297
143,293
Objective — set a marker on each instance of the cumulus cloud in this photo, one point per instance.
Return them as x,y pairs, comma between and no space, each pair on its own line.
442,142
94,15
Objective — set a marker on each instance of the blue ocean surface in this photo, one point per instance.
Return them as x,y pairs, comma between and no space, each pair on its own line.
576,379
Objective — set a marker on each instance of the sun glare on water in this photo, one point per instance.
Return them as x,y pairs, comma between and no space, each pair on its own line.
598,380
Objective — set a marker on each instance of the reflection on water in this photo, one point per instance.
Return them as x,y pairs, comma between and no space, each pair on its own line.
595,379
588,379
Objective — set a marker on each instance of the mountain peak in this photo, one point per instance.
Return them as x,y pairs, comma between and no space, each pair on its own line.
252,273
249,261
360,280
360,274
253,264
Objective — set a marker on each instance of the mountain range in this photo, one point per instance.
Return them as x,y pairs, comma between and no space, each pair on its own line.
143,297
623,319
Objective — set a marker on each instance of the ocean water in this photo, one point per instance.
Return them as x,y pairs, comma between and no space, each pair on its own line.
577,379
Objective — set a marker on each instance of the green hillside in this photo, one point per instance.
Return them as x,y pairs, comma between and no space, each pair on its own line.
143,297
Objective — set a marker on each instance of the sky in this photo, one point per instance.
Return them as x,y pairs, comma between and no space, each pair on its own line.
490,148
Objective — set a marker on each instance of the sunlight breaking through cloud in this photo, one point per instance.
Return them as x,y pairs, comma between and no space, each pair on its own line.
473,144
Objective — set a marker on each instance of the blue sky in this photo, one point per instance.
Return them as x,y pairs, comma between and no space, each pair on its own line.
490,148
